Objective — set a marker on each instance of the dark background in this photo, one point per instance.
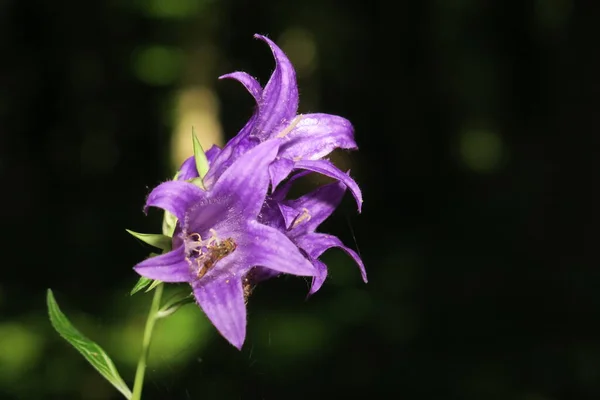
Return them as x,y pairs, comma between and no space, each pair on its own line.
477,123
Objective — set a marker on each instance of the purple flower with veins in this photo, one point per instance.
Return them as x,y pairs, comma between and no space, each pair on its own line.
299,219
218,239
306,138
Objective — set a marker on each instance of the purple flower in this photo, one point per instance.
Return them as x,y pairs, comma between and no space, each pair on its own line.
306,139
299,219
218,239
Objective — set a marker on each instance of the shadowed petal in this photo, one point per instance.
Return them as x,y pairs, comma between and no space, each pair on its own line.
325,167
222,300
319,205
289,214
279,102
188,170
316,135
175,197
282,191
315,244
168,267
318,279
279,170
248,81
272,249
212,153
247,179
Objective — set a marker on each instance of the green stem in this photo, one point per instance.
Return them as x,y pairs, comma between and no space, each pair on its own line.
141,367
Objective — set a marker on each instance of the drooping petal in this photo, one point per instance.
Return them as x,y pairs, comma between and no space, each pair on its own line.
317,135
272,249
279,170
222,300
318,279
325,167
175,197
315,207
248,81
315,244
246,181
279,102
168,267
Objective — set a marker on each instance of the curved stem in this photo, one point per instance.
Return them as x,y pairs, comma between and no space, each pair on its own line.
141,367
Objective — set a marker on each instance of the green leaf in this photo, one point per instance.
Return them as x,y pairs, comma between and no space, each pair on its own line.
140,285
162,242
199,156
154,284
88,349
175,303
169,223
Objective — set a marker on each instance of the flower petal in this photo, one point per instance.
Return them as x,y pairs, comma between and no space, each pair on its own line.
222,300
316,135
188,170
281,192
288,213
247,179
279,170
315,244
317,206
325,167
279,102
212,153
272,249
168,267
175,197
238,145
248,81
318,279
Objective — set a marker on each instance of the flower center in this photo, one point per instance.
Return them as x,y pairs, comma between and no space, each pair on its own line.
204,254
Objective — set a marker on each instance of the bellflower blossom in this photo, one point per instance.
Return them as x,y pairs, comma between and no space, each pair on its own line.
218,239
299,219
306,138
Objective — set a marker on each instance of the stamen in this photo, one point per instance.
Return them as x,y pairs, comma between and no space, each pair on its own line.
291,126
304,217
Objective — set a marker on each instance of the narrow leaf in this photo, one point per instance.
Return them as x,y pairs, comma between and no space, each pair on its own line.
169,223
88,349
154,285
174,304
153,239
199,156
141,284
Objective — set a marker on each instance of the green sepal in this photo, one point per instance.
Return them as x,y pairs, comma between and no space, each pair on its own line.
169,223
199,156
174,303
157,240
141,284
93,353
153,285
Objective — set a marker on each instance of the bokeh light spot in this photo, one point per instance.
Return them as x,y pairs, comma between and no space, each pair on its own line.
157,65
481,150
